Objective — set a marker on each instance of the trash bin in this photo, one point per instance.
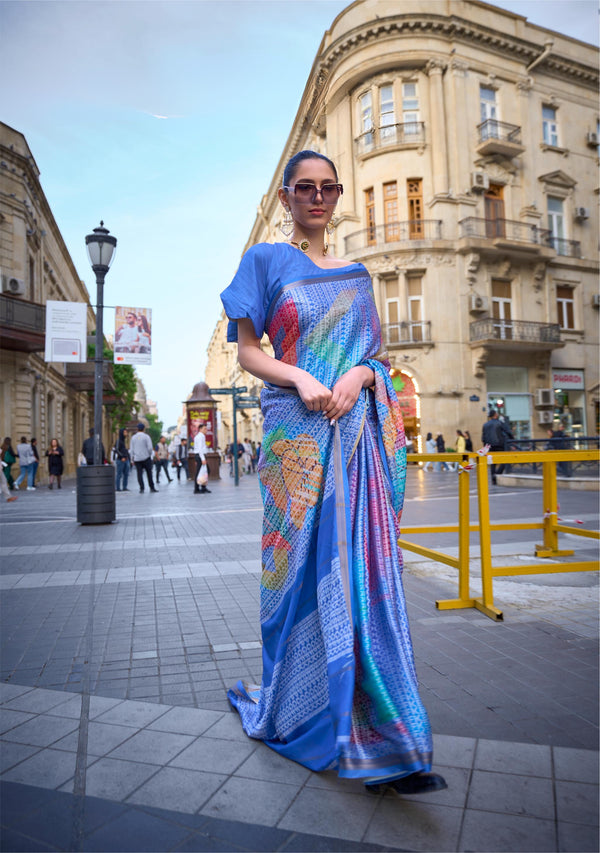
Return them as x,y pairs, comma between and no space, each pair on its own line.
96,494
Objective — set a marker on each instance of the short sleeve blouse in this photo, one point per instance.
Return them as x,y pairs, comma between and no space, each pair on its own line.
247,294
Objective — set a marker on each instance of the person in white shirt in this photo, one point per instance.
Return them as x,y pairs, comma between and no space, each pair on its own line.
26,462
200,452
127,337
141,452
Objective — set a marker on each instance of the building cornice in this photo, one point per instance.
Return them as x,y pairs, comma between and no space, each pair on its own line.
454,29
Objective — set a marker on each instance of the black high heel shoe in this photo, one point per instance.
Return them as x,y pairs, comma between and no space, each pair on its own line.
416,783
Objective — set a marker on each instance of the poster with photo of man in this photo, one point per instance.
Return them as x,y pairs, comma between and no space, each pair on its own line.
133,335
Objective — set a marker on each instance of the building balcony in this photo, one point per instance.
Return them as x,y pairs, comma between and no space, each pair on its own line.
408,135
509,236
514,335
22,324
499,137
565,248
406,334
80,377
394,232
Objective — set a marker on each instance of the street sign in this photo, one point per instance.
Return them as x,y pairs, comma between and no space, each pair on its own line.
247,403
241,390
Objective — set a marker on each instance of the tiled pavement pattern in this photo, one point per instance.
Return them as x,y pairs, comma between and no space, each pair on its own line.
117,735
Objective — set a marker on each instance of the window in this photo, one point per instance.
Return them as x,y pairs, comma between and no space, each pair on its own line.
549,126
392,312
488,113
565,306
502,309
390,211
366,119
415,308
556,224
387,116
410,108
414,192
370,216
494,212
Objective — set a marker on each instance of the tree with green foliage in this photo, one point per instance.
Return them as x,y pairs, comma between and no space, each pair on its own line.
155,428
126,388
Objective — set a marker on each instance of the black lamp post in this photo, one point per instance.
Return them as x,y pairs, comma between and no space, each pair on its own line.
96,483
101,251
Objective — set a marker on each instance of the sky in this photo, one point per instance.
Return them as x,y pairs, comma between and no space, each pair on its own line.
167,120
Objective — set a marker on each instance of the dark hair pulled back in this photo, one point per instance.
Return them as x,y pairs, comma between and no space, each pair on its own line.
294,162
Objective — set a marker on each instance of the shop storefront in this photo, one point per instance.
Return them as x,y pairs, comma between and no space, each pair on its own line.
408,397
508,393
569,400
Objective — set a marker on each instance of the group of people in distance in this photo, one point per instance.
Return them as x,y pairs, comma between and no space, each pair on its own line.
464,444
28,457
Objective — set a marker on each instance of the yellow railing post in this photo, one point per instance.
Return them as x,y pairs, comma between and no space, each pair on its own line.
550,547
486,602
464,594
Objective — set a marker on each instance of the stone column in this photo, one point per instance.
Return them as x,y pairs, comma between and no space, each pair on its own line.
458,128
437,132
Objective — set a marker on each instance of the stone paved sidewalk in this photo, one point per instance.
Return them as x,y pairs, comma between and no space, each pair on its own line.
120,641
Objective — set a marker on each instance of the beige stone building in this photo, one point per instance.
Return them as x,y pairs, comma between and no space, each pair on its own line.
45,400
467,142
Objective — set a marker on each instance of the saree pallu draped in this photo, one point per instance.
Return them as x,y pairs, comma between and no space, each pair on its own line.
339,688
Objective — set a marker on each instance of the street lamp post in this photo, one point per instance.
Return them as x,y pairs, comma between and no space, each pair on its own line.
101,251
96,483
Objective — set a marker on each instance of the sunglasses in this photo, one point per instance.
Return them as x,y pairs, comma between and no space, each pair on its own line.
307,193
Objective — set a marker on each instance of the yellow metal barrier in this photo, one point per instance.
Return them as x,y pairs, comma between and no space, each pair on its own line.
550,525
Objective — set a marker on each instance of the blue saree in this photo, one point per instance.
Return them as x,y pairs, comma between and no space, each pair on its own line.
339,688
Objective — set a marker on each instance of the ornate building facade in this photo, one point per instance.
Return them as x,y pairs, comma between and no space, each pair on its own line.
37,399
467,142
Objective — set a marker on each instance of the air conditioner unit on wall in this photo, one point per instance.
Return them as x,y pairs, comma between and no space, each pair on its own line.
479,181
596,300
479,304
582,213
546,417
13,285
544,397
592,139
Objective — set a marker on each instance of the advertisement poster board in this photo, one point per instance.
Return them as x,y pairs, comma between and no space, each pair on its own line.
66,331
133,335
197,415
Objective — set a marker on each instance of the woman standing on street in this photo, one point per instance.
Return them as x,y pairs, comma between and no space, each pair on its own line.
9,457
55,455
36,464
339,688
123,463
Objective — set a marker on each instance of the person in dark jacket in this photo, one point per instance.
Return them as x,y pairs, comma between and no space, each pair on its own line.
9,457
441,448
34,465
123,462
88,449
496,434
468,442
55,455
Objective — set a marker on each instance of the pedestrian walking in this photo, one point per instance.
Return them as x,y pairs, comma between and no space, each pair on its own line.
87,449
560,441
181,459
161,456
339,689
201,464
495,434
36,463
441,448
55,455
4,484
123,463
430,447
26,460
468,442
8,457
247,456
140,451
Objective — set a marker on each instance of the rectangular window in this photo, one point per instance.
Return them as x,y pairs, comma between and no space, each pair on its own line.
495,223
415,308
366,120
502,309
410,109
370,216
387,115
488,113
390,211
565,305
414,192
556,225
392,312
550,126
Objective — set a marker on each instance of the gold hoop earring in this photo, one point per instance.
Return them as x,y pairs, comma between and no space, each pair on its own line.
287,224
331,225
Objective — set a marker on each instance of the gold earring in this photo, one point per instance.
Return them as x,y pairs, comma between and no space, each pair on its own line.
287,224
331,225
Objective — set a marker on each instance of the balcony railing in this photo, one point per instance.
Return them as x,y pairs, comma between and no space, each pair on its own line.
394,232
520,331
22,324
411,132
402,334
508,229
500,130
566,248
